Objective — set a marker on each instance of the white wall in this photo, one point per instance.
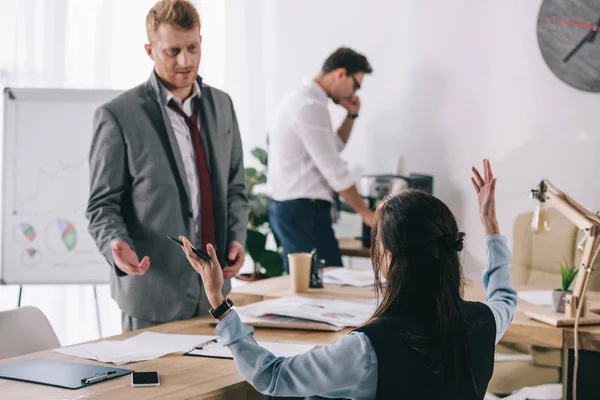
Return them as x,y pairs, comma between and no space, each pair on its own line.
453,82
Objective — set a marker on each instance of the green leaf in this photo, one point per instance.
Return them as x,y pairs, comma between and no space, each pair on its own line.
271,261
346,207
250,177
261,178
567,275
255,244
253,178
261,155
259,208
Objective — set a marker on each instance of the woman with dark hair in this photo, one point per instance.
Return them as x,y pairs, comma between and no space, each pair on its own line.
424,341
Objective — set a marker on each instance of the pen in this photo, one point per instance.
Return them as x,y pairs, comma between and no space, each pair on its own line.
97,377
203,255
204,344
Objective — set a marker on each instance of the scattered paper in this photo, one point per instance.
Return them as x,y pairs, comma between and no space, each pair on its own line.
542,392
536,297
278,349
350,277
512,357
338,313
142,347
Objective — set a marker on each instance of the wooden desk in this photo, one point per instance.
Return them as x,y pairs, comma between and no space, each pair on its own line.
180,377
208,378
353,248
521,330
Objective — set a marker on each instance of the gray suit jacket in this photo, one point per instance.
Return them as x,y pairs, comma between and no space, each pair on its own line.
139,194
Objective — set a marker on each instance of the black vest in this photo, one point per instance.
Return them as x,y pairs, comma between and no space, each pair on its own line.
403,373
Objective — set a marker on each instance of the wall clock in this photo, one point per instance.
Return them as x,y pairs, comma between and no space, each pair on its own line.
567,32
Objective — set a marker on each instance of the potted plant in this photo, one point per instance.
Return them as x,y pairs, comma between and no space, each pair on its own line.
568,274
267,262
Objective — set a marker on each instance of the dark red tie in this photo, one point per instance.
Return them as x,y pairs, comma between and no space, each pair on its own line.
206,201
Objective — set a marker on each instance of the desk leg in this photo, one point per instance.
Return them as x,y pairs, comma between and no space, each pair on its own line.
97,311
564,371
588,385
20,295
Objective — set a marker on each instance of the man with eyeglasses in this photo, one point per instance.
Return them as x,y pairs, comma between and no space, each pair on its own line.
306,172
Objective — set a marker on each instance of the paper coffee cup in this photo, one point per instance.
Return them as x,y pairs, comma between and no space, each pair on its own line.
300,264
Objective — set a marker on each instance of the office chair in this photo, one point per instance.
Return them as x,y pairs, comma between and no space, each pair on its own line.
25,330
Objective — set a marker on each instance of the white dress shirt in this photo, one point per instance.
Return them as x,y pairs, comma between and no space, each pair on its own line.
186,145
304,149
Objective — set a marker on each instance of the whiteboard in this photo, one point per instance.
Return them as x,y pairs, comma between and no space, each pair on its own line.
45,185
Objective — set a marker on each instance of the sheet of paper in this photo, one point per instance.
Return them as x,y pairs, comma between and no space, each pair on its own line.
334,312
279,349
542,392
142,347
351,277
536,297
512,357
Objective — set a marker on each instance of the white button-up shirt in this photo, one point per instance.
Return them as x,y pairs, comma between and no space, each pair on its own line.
186,145
304,149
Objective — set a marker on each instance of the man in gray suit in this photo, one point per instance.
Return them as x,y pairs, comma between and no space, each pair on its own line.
166,158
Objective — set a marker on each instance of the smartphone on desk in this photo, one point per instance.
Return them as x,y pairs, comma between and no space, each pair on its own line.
144,379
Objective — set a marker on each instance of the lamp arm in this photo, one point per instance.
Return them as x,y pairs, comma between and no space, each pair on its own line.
579,219
590,252
554,191
584,220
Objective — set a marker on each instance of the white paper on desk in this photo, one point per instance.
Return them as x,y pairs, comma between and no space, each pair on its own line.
542,392
334,312
499,357
279,349
142,347
350,277
536,297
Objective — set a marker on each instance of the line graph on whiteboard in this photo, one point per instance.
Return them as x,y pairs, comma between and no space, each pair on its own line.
46,176
44,189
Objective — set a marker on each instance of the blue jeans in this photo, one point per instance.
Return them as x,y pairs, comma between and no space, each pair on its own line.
302,225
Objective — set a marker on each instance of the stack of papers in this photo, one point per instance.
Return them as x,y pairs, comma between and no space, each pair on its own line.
337,313
536,297
142,347
350,277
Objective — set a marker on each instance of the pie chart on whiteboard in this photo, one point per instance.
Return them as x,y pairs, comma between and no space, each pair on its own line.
24,233
30,257
61,236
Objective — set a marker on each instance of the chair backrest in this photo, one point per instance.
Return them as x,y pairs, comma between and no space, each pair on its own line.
537,257
25,330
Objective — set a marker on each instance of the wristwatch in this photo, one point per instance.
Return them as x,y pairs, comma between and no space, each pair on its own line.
352,116
226,305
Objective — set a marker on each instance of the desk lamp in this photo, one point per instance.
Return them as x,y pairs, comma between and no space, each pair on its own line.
575,305
586,221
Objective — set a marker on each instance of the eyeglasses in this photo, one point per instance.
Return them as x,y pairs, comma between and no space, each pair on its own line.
356,84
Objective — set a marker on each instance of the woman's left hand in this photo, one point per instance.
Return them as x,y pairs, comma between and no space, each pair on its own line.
211,273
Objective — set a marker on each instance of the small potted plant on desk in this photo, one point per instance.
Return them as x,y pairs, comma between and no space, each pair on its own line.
568,274
259,229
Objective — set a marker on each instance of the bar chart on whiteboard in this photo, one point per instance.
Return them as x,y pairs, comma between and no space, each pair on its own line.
46,187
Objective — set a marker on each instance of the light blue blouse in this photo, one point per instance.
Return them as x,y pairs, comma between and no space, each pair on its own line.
348,368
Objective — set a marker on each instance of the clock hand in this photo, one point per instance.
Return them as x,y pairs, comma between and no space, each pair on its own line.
573,23
586,38
591,35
